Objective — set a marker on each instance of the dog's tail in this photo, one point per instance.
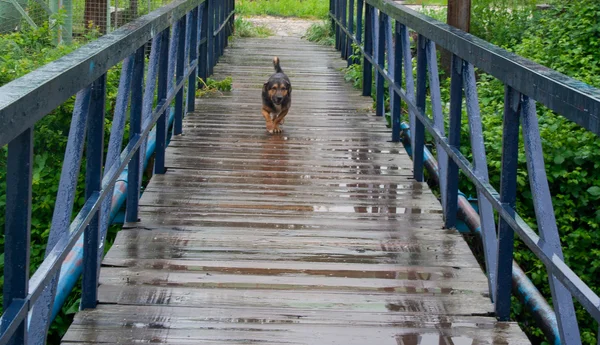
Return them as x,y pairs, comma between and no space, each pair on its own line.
276,65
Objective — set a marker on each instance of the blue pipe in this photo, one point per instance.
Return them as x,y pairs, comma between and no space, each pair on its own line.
522,287
72,267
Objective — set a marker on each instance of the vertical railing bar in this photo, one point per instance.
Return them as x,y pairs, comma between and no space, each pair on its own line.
63,209
389,43
375,40
17,226
367,67
95,153
163,84
456,92
396,104
359,24
508,195
336,9
135,128
409,80
203,58
178,127
488,226
210,13
438,115
191,91
379,92
546,221
343,39
419,132
351,31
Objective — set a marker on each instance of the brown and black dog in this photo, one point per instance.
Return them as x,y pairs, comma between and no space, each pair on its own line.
276,98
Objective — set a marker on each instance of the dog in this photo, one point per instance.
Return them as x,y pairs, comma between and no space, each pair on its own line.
276,98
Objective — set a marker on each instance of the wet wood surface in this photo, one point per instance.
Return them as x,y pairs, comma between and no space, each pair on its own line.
317,235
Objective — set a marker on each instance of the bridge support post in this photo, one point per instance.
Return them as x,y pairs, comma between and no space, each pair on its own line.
420,102
367,67
135,125
181,43
193,56
95,152
398,81
508,196
379,80
161,124
17,228
203,55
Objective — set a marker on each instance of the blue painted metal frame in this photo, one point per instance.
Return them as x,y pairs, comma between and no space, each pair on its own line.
26,100
578,102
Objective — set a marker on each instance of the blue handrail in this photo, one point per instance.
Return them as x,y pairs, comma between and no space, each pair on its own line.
525,81
184,46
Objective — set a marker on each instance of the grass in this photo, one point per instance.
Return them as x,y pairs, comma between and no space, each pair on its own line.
426,2
309,9
320,33
244,28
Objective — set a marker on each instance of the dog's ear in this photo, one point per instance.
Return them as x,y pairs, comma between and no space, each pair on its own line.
265,87
289,87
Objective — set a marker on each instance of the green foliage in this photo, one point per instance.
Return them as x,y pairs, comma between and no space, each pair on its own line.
565,38
312,9
213,87
244,28
320,33
502,22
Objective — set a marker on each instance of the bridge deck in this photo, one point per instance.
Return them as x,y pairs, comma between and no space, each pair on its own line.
315,236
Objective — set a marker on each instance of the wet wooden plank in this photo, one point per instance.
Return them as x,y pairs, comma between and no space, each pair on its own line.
318,235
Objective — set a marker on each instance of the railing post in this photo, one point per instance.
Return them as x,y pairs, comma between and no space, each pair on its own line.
191,90
398,81
17,227
181,40
343,38
367,67
336,10
210,29
379,91
508,195
359,24
135,129
456,86
203,59
419,134
351,31
163,84
95,153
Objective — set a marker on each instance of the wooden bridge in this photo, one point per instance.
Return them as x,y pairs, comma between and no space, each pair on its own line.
318,235
323,234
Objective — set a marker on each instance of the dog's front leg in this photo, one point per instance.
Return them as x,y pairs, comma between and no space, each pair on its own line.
269,123
279,120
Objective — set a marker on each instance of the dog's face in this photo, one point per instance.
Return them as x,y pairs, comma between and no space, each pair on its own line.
277,90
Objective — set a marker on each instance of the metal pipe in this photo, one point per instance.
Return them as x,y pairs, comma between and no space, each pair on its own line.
522,287
72,267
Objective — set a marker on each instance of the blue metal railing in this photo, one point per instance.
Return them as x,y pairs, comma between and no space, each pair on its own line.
525,81
187,38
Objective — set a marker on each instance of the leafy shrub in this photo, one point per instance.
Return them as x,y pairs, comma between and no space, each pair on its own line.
320,33
244,28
